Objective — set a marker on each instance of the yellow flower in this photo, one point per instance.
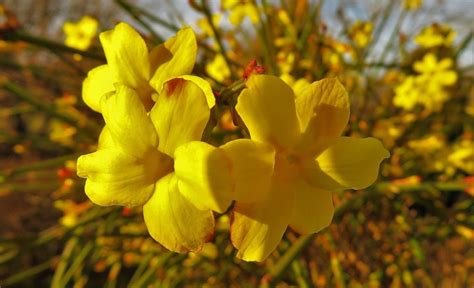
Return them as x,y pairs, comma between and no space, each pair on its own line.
463,156
154,159
361,33
428,87
204,26
285,62
218,68
435,35
299,138
438,72
239,10
298,85
129,63
427,145
406,94
79,35
412,4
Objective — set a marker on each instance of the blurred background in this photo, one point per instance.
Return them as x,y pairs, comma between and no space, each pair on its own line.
408,68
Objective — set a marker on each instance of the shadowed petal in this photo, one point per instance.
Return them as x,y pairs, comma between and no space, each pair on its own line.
204,175
323,112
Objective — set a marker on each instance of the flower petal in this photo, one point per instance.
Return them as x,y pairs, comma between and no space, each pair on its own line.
323,112
173,58
127,55
99,82
252,168
267,107
180,114
105,139
128,123
174,221
348,163
115,178
258,227
204,85
203,173
313,209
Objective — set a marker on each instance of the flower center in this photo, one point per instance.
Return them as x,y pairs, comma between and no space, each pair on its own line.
157,164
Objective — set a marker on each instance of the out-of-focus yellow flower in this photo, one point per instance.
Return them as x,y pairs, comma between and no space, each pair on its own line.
71,211
79,35
361,33
290,36
298,86
439,72
239,10
463,156
436,35
61,132
333,53
427,145
206,28
154,159
412,4
218,68
299,137
406,94
129,63
428,87
285,62
387,131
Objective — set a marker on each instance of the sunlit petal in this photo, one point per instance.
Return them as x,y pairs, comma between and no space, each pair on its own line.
127,55
180,114
99,82
267,108
347,163
174,58
323,112
114,178
174,221
128,123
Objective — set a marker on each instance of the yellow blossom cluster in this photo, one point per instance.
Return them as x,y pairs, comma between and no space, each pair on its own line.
150,152
361,33
412,4
428,87
436,35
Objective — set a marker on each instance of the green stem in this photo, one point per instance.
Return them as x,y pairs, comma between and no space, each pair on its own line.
207,12
133,11
76,264
151,16
50,163
464,44
52,45
28,273
48,108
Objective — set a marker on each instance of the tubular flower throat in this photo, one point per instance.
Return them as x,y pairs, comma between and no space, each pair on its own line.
303,160
130,63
